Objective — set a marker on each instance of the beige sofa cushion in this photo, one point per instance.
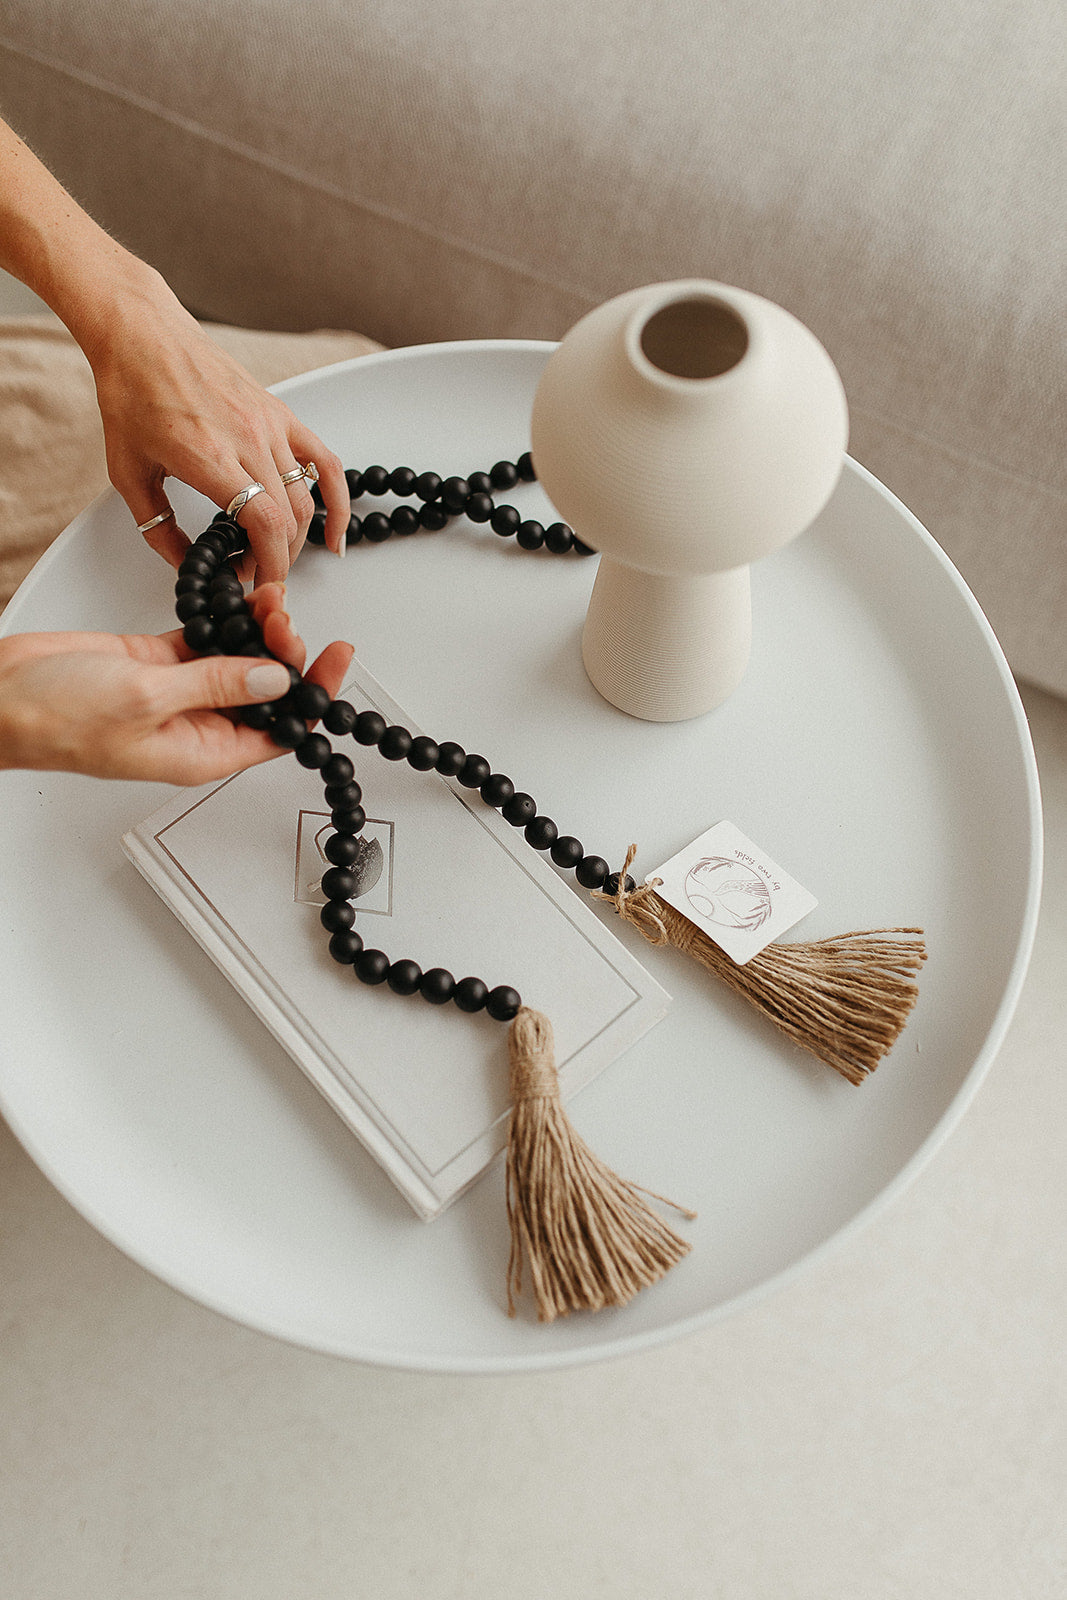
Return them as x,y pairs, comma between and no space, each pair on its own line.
891,173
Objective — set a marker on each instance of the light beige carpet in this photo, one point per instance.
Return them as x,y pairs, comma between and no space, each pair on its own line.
51,441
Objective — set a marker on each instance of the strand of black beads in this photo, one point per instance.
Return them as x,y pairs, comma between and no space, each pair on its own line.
442,501
339,883
496,789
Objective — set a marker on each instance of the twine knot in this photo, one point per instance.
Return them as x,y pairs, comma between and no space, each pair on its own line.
640,906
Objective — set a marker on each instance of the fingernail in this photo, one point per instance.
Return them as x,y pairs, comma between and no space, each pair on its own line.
343,546
267,680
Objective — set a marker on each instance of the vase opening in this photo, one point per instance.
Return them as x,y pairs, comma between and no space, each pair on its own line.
694,338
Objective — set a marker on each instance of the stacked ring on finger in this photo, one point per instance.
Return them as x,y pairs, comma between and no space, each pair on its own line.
309,474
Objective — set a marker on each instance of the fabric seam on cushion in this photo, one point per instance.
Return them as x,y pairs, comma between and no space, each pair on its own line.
282,169
954,453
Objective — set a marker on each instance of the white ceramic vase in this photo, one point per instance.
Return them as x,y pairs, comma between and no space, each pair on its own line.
684,430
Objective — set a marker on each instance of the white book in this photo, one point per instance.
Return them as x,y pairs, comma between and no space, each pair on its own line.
445,881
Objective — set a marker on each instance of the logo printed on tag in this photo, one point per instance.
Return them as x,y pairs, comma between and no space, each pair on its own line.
730,888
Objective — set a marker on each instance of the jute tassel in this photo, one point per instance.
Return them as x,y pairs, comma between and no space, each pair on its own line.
590,1238
845,999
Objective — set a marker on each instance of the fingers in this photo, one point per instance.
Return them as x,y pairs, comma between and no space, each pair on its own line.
329,668
307,446
213,683
147,502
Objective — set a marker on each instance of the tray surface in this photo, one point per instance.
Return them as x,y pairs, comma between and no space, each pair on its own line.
877,748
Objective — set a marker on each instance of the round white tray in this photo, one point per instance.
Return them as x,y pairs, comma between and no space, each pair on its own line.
877,748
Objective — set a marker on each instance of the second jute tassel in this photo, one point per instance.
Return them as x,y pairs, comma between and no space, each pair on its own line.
589,1237
845,999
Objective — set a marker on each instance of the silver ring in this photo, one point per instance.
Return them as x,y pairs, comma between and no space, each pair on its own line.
153,522
310,474
243,496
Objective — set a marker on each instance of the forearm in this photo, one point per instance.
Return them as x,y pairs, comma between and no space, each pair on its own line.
54,247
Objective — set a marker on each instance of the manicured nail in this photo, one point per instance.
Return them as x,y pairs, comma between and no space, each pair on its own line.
267,680
343,546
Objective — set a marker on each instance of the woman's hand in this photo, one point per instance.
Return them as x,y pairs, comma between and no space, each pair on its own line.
137,706
174,405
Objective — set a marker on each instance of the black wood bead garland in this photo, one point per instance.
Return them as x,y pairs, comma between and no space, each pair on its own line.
589,1237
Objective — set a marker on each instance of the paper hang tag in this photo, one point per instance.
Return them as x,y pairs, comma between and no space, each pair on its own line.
731,889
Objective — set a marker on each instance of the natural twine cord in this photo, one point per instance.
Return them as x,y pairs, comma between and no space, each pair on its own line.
589,1237
844,999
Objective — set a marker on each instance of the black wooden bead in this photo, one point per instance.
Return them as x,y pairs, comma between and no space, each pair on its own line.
480,483
199,634
611,884
503,475
195,565
433,516
338,884
525,467
310,700
581,549
474,772
404,519
258,716
316,494
377,527
369,728
188,606
395,743
354,531
519,810
348,819
423,754
341,848
437,986
254,647
567,851
237,630
591,872
313,750
337,915
479,507
559,538
427,485
505,521
455,492
339,717
354,480
343,794
503,1002
316,534
470,994
226,579
541,833
371,966
531,535
450,758
214,544
287,729
226,601
195,583
402,480
497,790
375,480
346,946
404,977
338,770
